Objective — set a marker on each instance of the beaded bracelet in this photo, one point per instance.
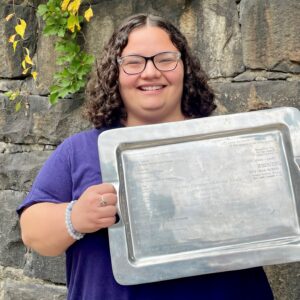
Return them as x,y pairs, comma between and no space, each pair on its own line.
72,232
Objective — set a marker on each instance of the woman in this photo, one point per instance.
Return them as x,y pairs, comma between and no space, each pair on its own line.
147,75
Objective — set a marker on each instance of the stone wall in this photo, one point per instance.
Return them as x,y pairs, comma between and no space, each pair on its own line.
250,49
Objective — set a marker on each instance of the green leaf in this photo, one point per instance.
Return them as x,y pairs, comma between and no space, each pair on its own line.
50,30
61,32
18,106
53,98
64,92
89,59
64,83
62,60
51,21
42,9
54,89
62,74
73,69
8,94
12,95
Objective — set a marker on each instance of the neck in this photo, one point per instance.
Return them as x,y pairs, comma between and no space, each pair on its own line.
131,121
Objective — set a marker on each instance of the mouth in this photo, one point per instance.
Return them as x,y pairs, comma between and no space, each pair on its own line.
151,87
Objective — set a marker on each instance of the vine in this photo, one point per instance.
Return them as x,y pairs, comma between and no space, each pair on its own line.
63,19
27,64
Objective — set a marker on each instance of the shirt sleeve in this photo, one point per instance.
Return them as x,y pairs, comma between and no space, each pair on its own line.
54,181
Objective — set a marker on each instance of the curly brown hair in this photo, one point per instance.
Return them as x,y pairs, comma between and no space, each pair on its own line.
104,105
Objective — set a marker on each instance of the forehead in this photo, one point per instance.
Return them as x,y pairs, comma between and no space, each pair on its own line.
147,41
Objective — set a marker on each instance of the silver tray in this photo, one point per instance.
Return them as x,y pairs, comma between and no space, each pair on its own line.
204,195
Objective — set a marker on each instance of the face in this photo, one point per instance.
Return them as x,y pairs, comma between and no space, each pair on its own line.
152,96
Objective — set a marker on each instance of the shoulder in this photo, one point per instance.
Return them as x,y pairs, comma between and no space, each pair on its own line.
82,146
83,136
82,139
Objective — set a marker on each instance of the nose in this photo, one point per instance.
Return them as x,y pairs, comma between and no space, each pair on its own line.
150,70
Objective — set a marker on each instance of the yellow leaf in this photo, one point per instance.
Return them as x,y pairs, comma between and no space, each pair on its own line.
27,50
74,6
20,28
65,4
9,16
88,14
34,75
72,22
15,45
28,60
12,38
23,64
25,71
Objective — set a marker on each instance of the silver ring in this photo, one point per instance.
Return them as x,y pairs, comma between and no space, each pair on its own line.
103,202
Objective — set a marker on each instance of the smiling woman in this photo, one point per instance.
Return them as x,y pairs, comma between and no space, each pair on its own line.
152,95
147,75
146,36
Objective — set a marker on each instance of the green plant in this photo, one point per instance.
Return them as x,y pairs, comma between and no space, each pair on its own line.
63,20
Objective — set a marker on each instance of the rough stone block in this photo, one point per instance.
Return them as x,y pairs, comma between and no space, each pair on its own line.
107,15
161,8
17,171
284,280
218,41
46,268
46,62
40,123
10,66
12,290
11,248
270,31
264,75
6,85
246,96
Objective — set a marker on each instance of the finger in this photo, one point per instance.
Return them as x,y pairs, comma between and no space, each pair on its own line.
106,212
110,199
106,222
106,199
104,188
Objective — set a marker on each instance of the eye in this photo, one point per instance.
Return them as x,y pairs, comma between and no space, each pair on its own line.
166,59
133,60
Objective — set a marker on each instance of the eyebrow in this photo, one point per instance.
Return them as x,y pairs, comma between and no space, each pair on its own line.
148,55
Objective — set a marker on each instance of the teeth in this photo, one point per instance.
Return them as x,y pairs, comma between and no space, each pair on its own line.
151,88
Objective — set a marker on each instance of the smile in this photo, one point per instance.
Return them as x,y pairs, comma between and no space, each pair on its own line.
151,88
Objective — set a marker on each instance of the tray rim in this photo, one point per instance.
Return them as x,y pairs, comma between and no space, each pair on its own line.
142,273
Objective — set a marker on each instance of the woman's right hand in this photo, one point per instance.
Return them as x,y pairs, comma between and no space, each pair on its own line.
51,237
95,209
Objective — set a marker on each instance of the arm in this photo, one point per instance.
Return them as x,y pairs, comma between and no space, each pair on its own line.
43,228
43,225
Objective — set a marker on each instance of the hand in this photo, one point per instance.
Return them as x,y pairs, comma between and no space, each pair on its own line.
89,215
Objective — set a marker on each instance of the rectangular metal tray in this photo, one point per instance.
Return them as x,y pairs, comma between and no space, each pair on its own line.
204,195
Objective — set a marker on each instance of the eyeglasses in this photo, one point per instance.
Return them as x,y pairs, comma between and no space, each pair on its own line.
135,64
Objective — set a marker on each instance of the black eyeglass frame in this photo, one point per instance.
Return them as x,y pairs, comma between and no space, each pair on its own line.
147,58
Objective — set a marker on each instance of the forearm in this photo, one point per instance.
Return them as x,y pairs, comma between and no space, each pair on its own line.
43,225
43,228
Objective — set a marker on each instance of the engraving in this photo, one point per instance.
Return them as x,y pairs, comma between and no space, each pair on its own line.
207,193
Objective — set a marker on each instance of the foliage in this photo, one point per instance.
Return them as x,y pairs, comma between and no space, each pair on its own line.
63,19
27,64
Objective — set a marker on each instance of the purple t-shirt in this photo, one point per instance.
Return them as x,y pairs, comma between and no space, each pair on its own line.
69,171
